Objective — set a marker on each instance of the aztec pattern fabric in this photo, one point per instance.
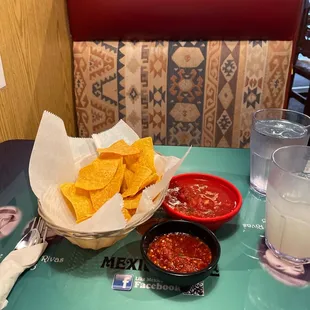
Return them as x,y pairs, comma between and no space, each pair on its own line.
200,93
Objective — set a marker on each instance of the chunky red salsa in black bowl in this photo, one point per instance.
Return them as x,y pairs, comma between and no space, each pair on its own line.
180,252
202,198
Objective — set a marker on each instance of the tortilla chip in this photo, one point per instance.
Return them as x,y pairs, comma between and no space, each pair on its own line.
132,212
78,201
152,179
132,202
126,213
100,197
146,157
139,179
119,148
98,174
127,180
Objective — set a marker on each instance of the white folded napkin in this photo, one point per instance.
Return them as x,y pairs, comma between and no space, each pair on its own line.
15,264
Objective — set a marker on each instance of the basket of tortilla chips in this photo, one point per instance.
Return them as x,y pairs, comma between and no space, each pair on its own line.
94,191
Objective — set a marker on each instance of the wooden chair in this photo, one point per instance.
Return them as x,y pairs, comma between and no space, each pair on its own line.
302,67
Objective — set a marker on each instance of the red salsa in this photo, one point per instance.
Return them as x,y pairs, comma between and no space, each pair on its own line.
200,198
179,252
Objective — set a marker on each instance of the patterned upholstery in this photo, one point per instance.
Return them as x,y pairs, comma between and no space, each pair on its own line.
200,93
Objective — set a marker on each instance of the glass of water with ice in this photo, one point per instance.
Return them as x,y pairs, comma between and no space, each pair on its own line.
272,129
288,204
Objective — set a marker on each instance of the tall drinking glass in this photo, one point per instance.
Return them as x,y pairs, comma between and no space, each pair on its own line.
272,129
288,204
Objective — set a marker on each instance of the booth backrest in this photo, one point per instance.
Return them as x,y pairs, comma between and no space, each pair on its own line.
185,72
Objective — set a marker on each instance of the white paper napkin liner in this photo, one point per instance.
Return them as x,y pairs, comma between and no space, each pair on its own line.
82,147
120,131
171,168
111,211
56,209
57,158
108,217
51,149
145,209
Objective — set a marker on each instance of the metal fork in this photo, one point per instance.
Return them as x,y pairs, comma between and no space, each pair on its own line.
36,234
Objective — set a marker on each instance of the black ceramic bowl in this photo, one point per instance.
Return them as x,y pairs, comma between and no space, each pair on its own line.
197,230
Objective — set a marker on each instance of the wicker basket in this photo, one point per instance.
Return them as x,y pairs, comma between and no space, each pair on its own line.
99,240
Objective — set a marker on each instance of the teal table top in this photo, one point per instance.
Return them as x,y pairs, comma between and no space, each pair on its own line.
67,277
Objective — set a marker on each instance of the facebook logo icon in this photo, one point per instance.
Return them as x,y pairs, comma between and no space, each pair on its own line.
122,282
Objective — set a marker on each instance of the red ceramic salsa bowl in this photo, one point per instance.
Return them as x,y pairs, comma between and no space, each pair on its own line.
202,194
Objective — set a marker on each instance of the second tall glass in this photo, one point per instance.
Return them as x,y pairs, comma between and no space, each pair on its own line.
288,204
272,129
